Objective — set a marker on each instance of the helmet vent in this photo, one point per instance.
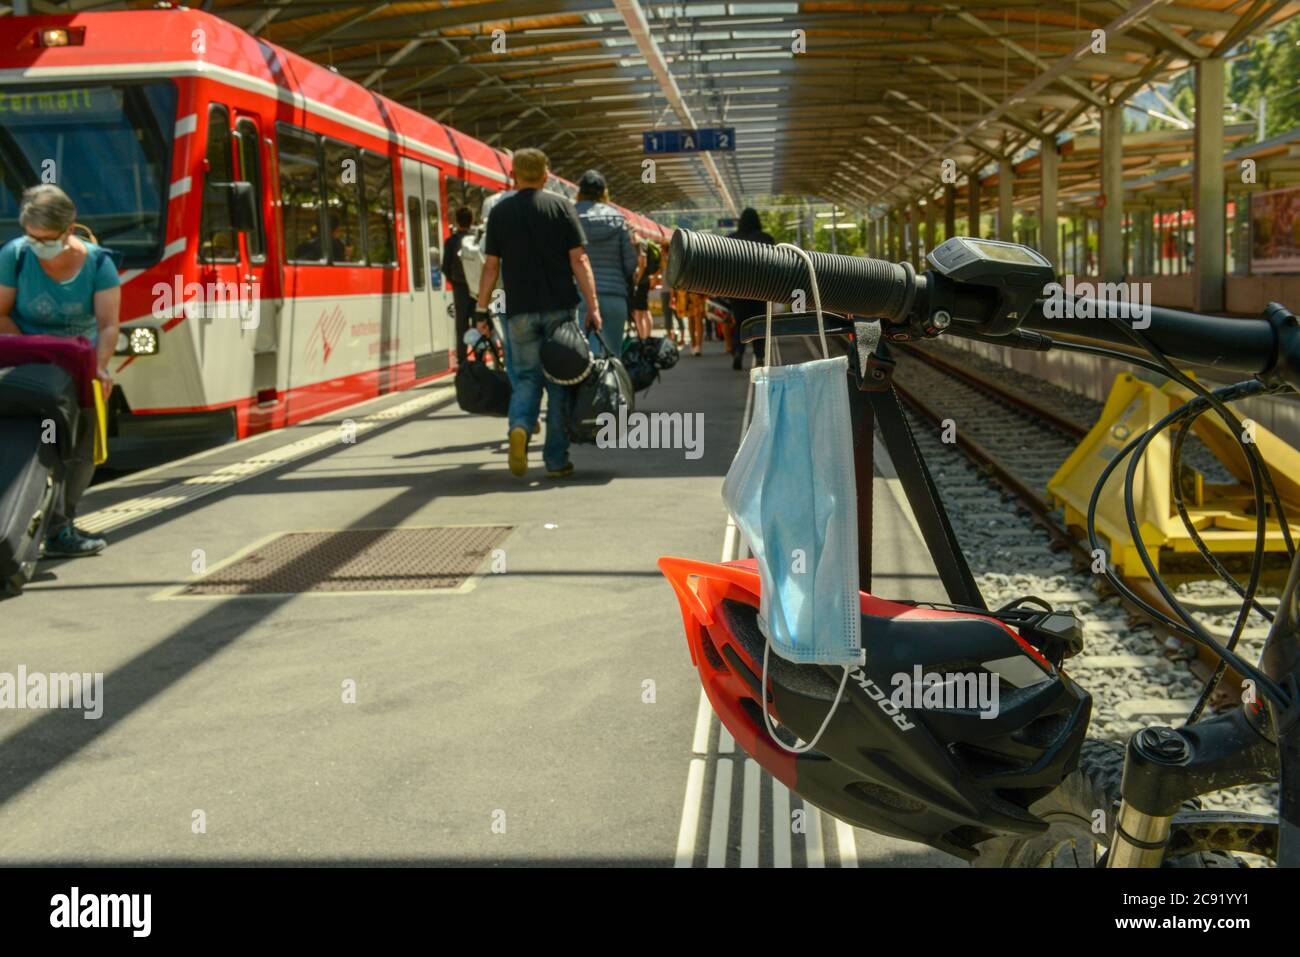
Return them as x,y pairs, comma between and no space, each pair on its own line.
1042,732
788,737
711,652
983,763
873,793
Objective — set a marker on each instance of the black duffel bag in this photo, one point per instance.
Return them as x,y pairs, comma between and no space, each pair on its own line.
482,389
666,352
638,360
606,387
644,359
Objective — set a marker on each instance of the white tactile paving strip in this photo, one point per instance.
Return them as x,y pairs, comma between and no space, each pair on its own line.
199,486
734,813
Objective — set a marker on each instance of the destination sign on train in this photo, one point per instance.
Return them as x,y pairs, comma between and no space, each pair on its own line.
76,101
705,140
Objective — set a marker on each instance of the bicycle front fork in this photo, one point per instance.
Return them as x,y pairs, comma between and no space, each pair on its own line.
1164,767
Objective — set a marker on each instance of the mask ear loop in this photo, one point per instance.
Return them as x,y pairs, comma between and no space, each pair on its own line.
767,335
817,297
767,646
767,717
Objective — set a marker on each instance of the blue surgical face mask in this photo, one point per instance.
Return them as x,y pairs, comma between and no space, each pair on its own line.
46,248
791,490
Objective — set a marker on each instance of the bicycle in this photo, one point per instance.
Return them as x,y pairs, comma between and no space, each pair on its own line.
1026,787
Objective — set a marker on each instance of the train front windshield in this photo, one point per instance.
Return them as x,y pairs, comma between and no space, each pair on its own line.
107,145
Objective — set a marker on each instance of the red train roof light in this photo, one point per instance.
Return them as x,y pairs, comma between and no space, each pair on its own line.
50,37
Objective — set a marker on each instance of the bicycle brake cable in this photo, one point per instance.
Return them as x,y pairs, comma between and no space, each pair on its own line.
1193,631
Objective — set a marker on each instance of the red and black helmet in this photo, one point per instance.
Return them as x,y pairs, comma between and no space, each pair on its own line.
948,777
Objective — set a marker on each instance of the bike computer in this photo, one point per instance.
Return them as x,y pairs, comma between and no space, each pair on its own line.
1016,274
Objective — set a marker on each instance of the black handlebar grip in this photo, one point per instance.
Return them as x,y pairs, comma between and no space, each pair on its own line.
719,266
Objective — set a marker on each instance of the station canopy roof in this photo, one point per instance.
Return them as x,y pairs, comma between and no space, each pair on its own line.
857,103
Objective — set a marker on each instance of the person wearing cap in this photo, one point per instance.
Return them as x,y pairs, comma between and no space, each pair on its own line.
535,242
614,261
750,229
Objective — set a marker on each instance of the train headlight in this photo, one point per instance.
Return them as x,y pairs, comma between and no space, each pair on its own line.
138,341
61,37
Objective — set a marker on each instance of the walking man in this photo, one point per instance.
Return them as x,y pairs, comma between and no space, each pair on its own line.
614,259
454,270
535,242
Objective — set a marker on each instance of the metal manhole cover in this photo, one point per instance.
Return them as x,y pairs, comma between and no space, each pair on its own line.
355,560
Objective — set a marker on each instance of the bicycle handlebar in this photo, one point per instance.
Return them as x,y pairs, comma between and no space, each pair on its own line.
720,266
1234,345
717,265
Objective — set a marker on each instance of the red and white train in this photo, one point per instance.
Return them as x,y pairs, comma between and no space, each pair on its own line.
316,284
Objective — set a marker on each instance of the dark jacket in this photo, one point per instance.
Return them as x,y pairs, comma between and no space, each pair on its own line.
609,247
452,268
745,308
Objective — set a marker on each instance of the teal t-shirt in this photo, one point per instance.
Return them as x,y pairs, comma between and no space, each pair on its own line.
46,307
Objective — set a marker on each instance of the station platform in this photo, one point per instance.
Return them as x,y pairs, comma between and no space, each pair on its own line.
486,698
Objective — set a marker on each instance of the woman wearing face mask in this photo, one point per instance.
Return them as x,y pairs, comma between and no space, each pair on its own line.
54,283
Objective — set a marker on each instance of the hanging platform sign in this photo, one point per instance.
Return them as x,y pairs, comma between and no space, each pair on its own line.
708,140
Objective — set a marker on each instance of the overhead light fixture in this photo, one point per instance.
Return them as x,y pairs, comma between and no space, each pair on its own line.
746,50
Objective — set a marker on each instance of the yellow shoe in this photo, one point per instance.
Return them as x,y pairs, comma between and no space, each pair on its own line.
518,457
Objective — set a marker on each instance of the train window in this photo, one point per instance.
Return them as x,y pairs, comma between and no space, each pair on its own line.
378,192
113,146
461,193
250,169
415,235
217,241
435,246
342,174
300,195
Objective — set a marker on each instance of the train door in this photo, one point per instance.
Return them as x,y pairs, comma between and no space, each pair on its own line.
417,251
261,295
214,313
441,306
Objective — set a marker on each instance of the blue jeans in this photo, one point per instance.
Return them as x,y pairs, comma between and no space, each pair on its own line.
614,314
525,333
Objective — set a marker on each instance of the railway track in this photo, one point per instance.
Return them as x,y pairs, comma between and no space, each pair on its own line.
989,446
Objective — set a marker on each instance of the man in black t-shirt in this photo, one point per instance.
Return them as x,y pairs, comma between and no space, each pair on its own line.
454,270
535,242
